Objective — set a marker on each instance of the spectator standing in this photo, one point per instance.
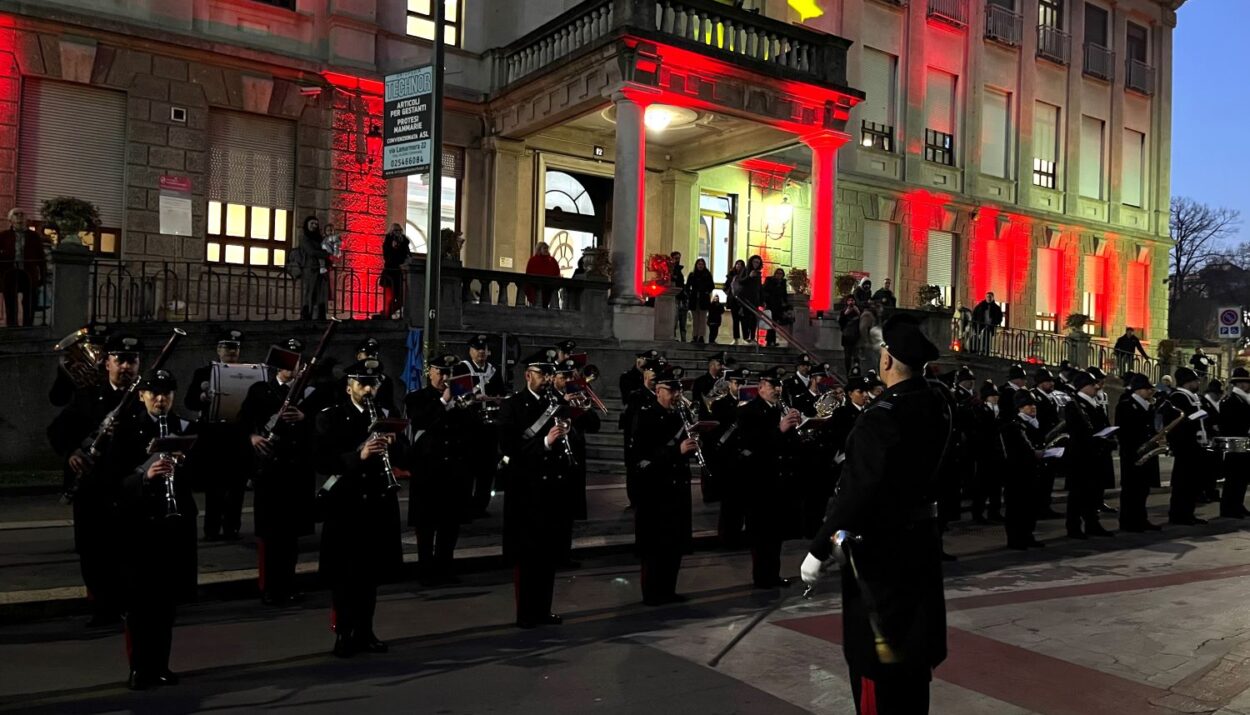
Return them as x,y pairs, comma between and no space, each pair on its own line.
1126,347
863,292
699,286
395,253
848,322
885,295
869,318
986,317
315,270
750,284
677,279
776,302
731,293
715,312
541,264
1201,362
23,268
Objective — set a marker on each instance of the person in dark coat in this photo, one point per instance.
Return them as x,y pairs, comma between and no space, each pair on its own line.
986,317
360,534
1017,379
989,456
721,448
703,384
794,387
1200,362
731,304
1188,442
1127,346
1086,457
631,380
535,502
699,287
1023,447
885,295
488,384
715,314
222,448
314,271
1135,416
887,498
93,483
285,483
442,441
863,292
677,279
777,302
662,452
749,284
583,420
23,268
640,397
395,253
1235,422
767,442
848,324
157,531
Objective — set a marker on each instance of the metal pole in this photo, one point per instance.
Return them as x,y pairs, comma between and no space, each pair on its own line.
433,239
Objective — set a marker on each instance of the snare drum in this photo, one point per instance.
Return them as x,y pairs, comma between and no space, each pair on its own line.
1232,445
228,386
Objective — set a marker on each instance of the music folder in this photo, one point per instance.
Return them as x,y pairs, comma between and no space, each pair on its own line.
175,444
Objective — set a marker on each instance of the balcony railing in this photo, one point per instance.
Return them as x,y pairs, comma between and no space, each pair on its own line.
705,26
894,3
1139,76
951,12
1054,44
1043,348
1099,62
1002,25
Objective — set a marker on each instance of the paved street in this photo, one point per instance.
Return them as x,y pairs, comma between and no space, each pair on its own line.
1137,624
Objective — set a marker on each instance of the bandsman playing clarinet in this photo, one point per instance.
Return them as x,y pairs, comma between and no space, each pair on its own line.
360,537
1135,415
157,530
662,452
484,457
285,483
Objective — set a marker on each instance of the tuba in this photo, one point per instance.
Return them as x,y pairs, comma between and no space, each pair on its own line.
720,388
80,358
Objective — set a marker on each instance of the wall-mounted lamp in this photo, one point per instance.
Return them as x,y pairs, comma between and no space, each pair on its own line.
373,142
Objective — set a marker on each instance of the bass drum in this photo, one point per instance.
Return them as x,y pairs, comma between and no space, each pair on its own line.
1232,445
228,386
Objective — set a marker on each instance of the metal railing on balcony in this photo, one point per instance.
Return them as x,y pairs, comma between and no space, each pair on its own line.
1139,76
894,3
1042,348
1099,62
704,25
1054,44
951,12
1002,25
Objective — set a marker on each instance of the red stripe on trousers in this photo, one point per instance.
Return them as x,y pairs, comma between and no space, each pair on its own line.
867,697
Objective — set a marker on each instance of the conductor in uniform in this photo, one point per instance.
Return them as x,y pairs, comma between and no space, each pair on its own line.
662,451
360,537
535,502
886,500
157,519
285,482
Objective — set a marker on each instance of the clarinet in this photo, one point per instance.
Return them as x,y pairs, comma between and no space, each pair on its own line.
171,498
554,399
688,422
392,484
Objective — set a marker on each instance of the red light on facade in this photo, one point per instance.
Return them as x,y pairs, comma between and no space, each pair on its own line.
652,289
352,82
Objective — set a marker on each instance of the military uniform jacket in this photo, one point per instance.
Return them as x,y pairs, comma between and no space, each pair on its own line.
286,482
441,440
987,443
360,536
1235,413
641,398
1048,411
536,500
886,493
158,553
803,401
767,461
842,422
703,385
486,379
794,386
663,478
631,381
583,422
1021,441
1189,437
222,445
1137,426
1087,456
82,416
720,443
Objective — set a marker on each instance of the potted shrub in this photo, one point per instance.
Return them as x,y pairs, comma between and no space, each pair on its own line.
70,217
800,284
929,297
1077,339
845,284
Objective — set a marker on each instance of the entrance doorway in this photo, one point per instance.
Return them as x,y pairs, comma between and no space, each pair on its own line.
576,215
716,234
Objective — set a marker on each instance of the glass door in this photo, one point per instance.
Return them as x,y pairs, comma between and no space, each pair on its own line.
716,236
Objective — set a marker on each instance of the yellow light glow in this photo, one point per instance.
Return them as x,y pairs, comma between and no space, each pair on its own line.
807,9
657,118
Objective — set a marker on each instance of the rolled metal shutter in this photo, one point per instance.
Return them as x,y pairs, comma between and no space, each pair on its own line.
72,142
251,160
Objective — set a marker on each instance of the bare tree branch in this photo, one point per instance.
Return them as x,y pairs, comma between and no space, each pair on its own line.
1199,235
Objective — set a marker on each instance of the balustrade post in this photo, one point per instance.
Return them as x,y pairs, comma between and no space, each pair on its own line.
71,298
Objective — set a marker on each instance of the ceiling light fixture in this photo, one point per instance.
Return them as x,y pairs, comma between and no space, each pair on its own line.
657,118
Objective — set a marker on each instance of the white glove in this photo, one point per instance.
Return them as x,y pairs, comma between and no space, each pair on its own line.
811,570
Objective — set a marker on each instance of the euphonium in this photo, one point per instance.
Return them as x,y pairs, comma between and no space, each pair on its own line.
80,358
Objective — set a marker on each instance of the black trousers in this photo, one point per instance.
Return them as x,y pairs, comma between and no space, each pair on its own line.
98,558
749,326
1133,493
485,458
149,634
1236,470
987,488
276,557
658,574
533,581
765,559
712,330
223,501
1046,486
1186,481
437,535
732,518
19,282
354,604
902,690
1020,518
1084,498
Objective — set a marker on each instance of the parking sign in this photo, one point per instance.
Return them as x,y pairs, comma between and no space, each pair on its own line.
1229,324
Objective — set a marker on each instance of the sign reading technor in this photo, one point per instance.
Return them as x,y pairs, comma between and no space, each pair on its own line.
406,123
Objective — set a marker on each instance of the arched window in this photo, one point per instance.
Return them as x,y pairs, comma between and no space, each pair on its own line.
571,219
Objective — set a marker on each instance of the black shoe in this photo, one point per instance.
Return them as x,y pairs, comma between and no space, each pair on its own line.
1076,534
1132,528
1107,509
1199,522
525,623
994,518
1099,531
270,599
569,565
1233,515
452,580
296,597
551,619
168,677
343,646
949,557
140,681
369,643
1037,544
980,520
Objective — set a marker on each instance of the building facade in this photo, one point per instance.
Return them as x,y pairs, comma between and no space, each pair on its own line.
1019,146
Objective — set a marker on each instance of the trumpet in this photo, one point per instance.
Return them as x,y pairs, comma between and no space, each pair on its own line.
392,484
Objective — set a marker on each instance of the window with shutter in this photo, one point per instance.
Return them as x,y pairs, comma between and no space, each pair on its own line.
939,270
878,250
1046,145
879,73
72,142
1091,157
1094,280
1131,175
251,189
995,133
940,117
1137,286
1046,294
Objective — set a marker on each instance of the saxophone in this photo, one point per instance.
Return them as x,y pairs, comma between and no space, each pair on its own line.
1157,444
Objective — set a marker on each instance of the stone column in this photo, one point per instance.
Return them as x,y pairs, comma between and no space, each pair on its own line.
824,146
680,214
71,298
629,197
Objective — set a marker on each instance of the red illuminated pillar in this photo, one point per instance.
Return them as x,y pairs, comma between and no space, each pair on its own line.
824,146
629,196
